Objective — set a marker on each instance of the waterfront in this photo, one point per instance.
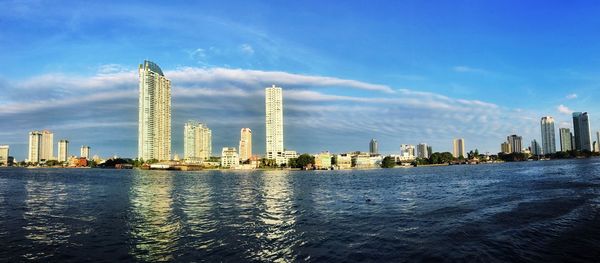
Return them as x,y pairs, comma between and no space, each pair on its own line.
529,211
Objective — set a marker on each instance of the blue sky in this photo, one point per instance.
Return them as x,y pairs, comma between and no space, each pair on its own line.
402,72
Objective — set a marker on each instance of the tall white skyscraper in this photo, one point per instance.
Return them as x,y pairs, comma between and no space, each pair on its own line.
154,130
63,150
516,143
548,135
85,152
41,146
245,144
274,122
566,144
197,141
581,130
459,148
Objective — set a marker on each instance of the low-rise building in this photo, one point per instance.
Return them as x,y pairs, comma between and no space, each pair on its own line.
343,161
229,157
323,161
4,153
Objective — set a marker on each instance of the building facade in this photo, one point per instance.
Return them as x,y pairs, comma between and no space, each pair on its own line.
245,144
373,147
229,157
154,128
4,153
63,150
536,150
323,161
581,130
516,143
548,135
423,151
41,146
197,141
85,152
505,148
458,148
565,139
274,122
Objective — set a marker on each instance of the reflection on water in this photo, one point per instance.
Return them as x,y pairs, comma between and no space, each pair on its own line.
278,216
154,230
538,211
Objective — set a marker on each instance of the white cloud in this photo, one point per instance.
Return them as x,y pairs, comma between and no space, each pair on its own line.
247,49
564,109
571,96
337,112
466,69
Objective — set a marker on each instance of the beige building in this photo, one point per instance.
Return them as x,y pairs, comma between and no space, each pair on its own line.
229,157
245,144
197,142
459,148
344,161
505,147
41,146
63,150
274,122
154,128
4,153
85,152
323,161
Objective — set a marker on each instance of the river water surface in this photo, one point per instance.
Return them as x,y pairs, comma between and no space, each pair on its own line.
533,211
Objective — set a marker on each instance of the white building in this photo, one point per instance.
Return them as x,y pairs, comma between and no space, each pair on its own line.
548,135
41,146
154,130
4,153
274,122
63,150
245,144
458,148
407,152
85,152
344,161
284,157
197,141
229,157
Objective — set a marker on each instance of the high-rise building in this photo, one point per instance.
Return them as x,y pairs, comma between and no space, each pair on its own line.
458,148
245,144
581,130
516,143
565,139
85,152
4,153
274,122
229,157
63,150
535,148
197,141
423,150
373,147
598,140
429,151
41,146
154,130
505,147
548,135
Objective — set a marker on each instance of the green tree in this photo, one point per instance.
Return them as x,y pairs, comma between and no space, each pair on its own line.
305,160
388,162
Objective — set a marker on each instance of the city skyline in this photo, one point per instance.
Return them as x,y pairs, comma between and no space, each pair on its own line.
81,80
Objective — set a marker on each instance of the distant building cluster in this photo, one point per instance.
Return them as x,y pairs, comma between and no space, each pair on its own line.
578,140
